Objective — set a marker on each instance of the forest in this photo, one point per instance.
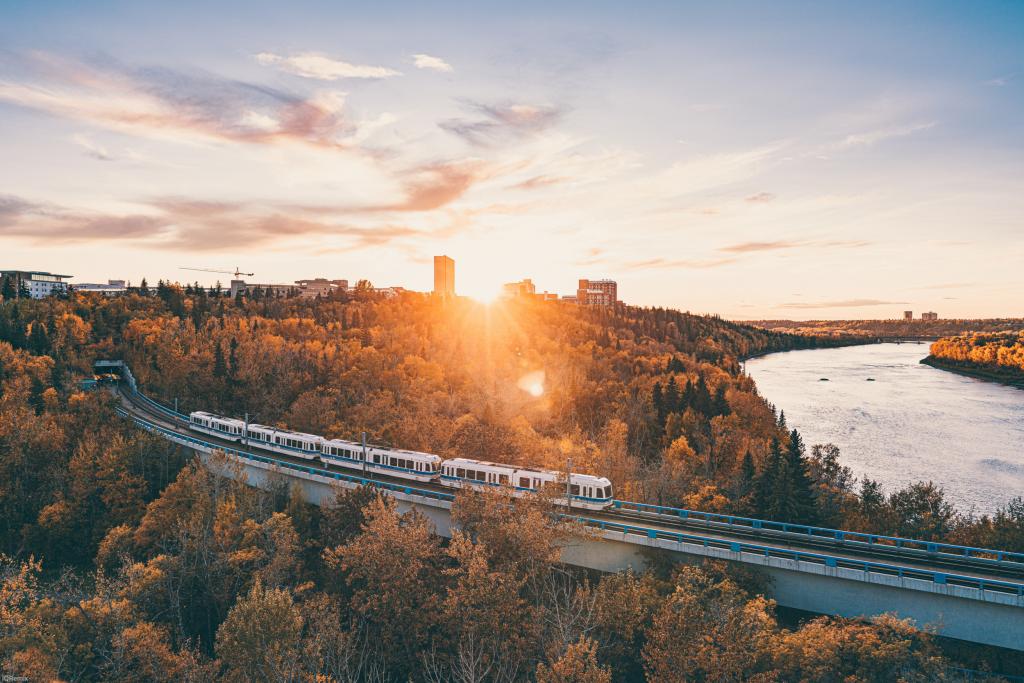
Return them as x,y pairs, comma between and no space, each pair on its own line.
125,559
993,356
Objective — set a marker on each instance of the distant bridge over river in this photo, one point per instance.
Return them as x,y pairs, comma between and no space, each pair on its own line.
973,594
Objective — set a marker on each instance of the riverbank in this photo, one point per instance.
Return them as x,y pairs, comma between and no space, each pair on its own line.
1009,376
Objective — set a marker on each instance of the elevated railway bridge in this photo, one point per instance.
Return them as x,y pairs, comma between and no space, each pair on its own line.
972,594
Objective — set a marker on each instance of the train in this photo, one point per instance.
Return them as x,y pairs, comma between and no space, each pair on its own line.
583,491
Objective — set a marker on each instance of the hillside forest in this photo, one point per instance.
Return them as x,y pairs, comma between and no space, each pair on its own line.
994,356
125,559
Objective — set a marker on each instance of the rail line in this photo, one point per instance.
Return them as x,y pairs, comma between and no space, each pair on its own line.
980,568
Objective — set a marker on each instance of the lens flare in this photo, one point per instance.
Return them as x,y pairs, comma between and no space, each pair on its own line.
532,383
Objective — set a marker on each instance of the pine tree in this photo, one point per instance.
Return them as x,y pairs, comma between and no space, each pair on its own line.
803,505
38,340
671,396
748,476
782,419
144,288
219,368
659,403
7,290
720,405
23,292
239,301
766,483
233,360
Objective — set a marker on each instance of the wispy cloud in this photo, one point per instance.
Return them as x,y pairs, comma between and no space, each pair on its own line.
163,103
321,67
92,148
871,137
760,198
713,170
503,122
193,225
745,247
997,82
846,303
422,61
679,263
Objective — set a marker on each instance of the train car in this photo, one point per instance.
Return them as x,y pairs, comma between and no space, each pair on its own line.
392,462
224,427
586,491
298,444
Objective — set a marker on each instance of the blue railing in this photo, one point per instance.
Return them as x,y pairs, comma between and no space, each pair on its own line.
987,556
823,533
161,407
284,464
941,578
866,566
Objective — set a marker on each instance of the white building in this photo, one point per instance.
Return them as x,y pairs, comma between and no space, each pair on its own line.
38,283
112,288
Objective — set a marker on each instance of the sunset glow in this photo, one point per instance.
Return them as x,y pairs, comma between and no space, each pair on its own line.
603,142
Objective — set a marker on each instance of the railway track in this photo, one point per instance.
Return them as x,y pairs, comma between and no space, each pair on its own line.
908,561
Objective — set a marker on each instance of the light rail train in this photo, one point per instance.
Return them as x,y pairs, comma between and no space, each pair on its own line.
584,490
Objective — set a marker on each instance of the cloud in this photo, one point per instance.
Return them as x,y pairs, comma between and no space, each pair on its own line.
947,285
872,137
503,122
847,303
679,263
745,247
422,61
321,67
538,182
760,197
435,185
92,149
163,103
713,170
997,82
196,225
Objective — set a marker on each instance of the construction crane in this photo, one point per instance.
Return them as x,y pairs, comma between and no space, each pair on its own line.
236,272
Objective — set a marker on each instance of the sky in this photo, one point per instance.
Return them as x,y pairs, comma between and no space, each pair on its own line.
801,160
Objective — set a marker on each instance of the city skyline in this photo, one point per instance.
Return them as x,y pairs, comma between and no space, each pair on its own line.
880,173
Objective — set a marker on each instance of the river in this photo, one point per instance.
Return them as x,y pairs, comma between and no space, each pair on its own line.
912,423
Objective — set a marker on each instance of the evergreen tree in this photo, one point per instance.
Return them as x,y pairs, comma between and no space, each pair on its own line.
782,420
702,397
748,476
793,498
720,405
17,333
35,396
38,340
23,292
659,403
219,368
239,301
233,360
144,288
7,290
671,396
767,481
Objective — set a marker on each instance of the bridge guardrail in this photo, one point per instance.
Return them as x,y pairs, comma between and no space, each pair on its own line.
940,578
853,537
867,566
983,555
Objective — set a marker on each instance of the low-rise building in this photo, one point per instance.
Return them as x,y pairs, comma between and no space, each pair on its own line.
930,315
112,288
39,284
908,315
310,289
523,288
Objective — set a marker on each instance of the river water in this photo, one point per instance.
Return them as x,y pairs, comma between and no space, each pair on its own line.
911,423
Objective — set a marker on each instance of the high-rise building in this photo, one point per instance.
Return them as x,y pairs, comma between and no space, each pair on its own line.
597,292
444,276
908,315
38,283
930,315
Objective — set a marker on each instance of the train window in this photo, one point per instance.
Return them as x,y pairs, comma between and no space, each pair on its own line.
524,482
504,479
481,476
574,489
460,473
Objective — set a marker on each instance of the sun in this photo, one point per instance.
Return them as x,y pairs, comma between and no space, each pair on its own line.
485,294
